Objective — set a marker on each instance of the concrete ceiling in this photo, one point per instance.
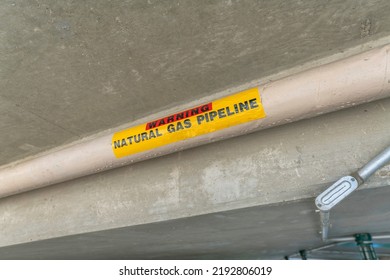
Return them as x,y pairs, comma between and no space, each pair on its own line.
70,69
262,232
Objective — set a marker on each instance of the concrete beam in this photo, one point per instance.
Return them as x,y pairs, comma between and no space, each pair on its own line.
285,163
260,232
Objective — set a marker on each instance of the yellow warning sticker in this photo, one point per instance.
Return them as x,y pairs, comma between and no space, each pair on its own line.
228,111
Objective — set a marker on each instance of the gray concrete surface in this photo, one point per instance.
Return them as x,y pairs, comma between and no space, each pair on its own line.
261,232
70,68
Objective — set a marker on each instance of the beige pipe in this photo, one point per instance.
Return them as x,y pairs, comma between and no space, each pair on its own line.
345,83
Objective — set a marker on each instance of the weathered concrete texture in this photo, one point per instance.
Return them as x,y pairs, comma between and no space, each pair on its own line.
82,67
262,232
22,131
285,163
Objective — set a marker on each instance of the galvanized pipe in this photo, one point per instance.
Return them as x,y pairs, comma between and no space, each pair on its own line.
375,164
338,241
363,174
351,238
325,223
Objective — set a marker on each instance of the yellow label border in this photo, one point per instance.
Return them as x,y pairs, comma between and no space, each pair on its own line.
239,108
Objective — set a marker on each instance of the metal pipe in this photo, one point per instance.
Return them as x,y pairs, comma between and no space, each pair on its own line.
338,192
325,216
350,253
351,238
383,236
324,247
364,241
314,250
355,80
340,239
375,164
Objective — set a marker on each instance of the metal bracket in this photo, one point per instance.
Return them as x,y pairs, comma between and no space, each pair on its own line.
345,186
364,241
336,193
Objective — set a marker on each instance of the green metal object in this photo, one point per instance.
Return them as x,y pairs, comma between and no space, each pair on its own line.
303,254
364,241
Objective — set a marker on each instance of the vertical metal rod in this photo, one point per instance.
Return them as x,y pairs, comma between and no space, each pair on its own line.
325,216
